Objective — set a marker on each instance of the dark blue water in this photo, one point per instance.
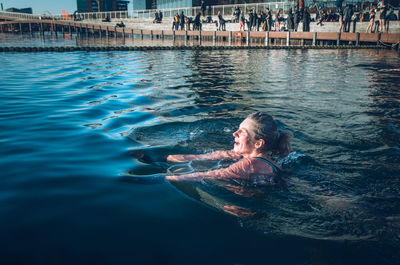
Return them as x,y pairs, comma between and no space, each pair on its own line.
71,191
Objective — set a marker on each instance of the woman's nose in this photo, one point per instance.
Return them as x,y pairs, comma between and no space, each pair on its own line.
235,134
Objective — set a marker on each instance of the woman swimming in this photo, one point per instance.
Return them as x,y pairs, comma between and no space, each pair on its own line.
257,136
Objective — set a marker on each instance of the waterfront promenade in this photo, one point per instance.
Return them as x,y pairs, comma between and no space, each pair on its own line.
327,34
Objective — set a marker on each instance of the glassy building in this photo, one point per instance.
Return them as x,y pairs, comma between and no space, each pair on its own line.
84,6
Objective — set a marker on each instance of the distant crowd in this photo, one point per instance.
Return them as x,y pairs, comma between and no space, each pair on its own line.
378,14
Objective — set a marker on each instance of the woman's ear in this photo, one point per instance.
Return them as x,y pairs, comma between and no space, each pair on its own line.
259,143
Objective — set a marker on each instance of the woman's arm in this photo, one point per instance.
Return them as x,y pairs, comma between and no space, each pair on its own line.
209,156
237,170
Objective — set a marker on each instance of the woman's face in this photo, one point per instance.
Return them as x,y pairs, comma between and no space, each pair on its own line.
244,139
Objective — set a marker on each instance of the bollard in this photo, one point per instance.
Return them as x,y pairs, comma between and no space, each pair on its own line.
20,28
173,35
141,34
87,31
62,30
115,33
162,34
151,34
93,31
107,33
338,39
100,33
199,37
288,38
123,35
248,38
41,29
132,34
69,28
379,39
230,38
30,28
267,38
358,38
314,39
186,37
214,38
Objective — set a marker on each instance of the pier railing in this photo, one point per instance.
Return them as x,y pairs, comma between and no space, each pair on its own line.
225,10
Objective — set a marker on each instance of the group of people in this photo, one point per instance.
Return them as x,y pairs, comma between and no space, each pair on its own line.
378,19
266,20
182,22
158,16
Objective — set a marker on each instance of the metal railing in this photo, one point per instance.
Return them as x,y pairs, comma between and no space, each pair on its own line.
19,15
225,10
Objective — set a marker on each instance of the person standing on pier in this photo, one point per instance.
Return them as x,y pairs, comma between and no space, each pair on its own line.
175,25
236,13
242,21
203,8
382,17
371,20
340,20
306,20
290,21
182,21
197,23
347,14
268,19
296,19
278,20
251,20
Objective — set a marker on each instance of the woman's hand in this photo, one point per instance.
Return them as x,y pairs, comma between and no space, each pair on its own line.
176,158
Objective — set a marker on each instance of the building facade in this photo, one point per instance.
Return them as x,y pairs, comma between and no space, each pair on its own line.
27,10
84,6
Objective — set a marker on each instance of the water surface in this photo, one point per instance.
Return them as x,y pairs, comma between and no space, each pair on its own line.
71,191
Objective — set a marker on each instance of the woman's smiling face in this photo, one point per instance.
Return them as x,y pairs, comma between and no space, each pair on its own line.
244,139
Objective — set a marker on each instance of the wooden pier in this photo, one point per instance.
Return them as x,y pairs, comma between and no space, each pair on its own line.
271,38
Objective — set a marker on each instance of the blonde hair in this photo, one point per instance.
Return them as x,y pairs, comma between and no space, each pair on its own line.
266,128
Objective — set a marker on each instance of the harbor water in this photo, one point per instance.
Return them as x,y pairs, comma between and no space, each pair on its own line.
72,190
